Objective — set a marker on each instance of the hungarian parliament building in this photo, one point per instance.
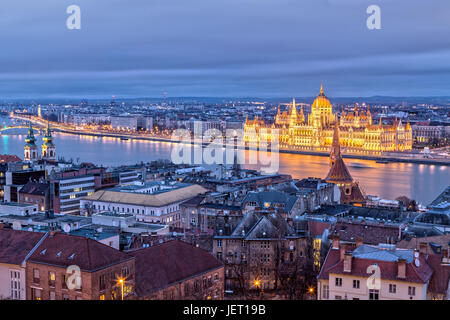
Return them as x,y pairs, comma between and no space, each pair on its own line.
357,132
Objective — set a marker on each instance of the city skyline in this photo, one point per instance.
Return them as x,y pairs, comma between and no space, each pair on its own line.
249,49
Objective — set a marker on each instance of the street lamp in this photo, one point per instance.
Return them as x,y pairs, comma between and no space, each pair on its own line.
257,284
121,281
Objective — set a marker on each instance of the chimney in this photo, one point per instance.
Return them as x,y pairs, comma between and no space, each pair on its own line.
342,250
401,272
423,248
335,241
52,233
359,241
347,262
445,257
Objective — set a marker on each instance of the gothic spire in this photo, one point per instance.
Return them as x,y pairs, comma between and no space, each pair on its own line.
336,146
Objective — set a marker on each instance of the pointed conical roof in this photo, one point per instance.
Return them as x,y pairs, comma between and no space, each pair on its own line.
336,146
338,172
293,111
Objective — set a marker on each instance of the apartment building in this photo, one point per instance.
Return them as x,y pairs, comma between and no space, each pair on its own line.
15,247
36,193
67,192
259,250
124,123
185,273
161,206
67,267
382,272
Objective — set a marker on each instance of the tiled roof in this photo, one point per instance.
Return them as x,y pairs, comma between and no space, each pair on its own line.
255,225
164,264
194,202
386,262
316,228
370,233
413,243
440,280
9,158
64,250
339,173
35,188
15,245
271,197
375,253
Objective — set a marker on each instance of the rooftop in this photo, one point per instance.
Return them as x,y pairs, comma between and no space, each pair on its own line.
164,264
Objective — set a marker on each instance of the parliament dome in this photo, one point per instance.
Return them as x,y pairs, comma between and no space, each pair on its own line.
321,101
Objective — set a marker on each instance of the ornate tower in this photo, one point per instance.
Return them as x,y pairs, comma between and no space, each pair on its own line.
336,146
30,150
339,174
48,148
293,116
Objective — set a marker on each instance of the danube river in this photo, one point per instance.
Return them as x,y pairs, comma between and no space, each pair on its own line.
417,181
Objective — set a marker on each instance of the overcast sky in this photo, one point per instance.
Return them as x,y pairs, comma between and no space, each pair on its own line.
223,48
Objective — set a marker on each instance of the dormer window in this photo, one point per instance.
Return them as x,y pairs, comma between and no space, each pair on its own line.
43,251
58,254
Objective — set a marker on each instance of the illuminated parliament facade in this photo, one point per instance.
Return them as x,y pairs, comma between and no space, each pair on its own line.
315,132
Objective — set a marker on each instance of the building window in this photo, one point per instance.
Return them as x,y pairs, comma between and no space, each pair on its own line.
15,285
102,282
219,243
65,297
392,288
51,279
326,291
412,291
125,272
36,276
35,294
102,297
338,282
356,284
338,297
64,281
374,294
52,295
